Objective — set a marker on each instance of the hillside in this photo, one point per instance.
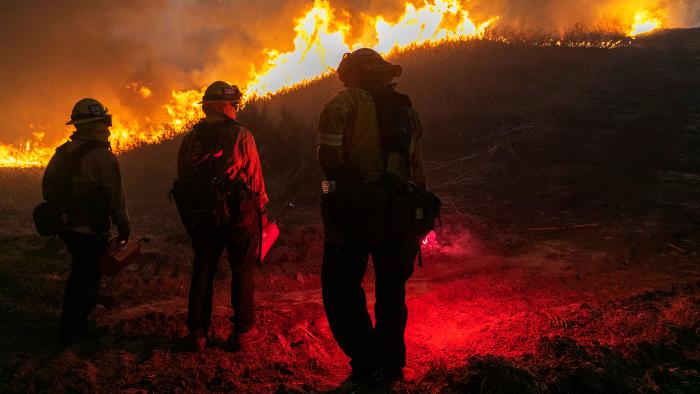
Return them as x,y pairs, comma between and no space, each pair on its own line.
512,129
568,260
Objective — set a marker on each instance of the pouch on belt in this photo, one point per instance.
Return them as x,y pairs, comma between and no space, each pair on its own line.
355,214
413,210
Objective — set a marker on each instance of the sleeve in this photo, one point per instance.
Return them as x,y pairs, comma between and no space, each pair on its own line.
111,182
417,170
253,168
183,166
335,118
46,190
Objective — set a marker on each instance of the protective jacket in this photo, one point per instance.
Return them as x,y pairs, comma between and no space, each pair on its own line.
243,160
349,140
97,181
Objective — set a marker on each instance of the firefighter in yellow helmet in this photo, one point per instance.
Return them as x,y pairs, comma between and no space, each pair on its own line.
374,203
220,194
84,185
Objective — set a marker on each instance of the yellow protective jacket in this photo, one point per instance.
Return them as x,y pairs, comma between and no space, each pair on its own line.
349,138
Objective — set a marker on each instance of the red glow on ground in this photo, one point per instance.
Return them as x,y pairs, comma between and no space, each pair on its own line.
430,241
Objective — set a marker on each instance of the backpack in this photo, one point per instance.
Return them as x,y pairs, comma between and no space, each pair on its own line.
411,209
50,217
397,125
208,199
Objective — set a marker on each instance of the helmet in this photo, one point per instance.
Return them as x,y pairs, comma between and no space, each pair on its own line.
88,110
366,60
222,91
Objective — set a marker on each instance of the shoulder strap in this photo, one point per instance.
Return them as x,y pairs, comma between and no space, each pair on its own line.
384,99
228,138
68,165
88,147
81,152
223,139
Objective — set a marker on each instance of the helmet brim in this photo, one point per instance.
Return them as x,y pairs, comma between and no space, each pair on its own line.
234,102
88,120
371,62
383,68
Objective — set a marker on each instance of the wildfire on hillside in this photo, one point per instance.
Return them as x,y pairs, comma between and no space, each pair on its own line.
321,38
644,22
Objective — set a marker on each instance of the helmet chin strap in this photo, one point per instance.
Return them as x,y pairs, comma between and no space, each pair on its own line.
369,81
98,130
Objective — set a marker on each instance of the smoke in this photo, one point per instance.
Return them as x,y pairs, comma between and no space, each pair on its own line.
54,53
555,15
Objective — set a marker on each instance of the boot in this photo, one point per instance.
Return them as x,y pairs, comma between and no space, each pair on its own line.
196,342
403,375
365,378
71,333
246,340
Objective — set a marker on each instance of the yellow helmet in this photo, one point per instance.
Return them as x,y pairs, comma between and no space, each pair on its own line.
222,91
366,60
88,110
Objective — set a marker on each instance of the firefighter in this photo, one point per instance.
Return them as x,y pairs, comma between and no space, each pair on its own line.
220,193
362,169
83,178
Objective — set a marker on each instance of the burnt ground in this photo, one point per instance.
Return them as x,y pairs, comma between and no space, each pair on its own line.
567,261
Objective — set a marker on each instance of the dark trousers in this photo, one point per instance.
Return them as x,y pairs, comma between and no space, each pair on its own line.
80,297
346,305
242,247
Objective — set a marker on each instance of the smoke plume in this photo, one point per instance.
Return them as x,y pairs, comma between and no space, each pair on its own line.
132,54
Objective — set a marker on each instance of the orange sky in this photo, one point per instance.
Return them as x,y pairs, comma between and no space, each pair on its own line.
53,53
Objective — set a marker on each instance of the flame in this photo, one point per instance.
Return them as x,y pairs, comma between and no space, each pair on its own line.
145,92
321,39
644,22
30,153
318,47
427,25
183,110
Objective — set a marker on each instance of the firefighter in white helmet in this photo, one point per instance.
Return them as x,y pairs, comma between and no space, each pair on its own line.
220,193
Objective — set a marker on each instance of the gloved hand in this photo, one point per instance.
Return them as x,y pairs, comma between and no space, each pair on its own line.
265,220
124,232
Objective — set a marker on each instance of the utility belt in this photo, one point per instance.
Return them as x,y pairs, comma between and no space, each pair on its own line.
215,203
367,213
354,213
51,218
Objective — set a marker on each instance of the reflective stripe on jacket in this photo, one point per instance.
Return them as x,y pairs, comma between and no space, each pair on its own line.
349,137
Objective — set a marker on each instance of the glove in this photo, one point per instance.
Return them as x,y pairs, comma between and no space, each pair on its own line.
124,231
265,220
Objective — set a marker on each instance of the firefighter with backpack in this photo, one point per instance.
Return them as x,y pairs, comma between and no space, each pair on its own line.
220,195
84,198
374,203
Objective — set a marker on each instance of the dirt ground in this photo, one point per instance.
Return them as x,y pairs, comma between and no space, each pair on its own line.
566,313
567,261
